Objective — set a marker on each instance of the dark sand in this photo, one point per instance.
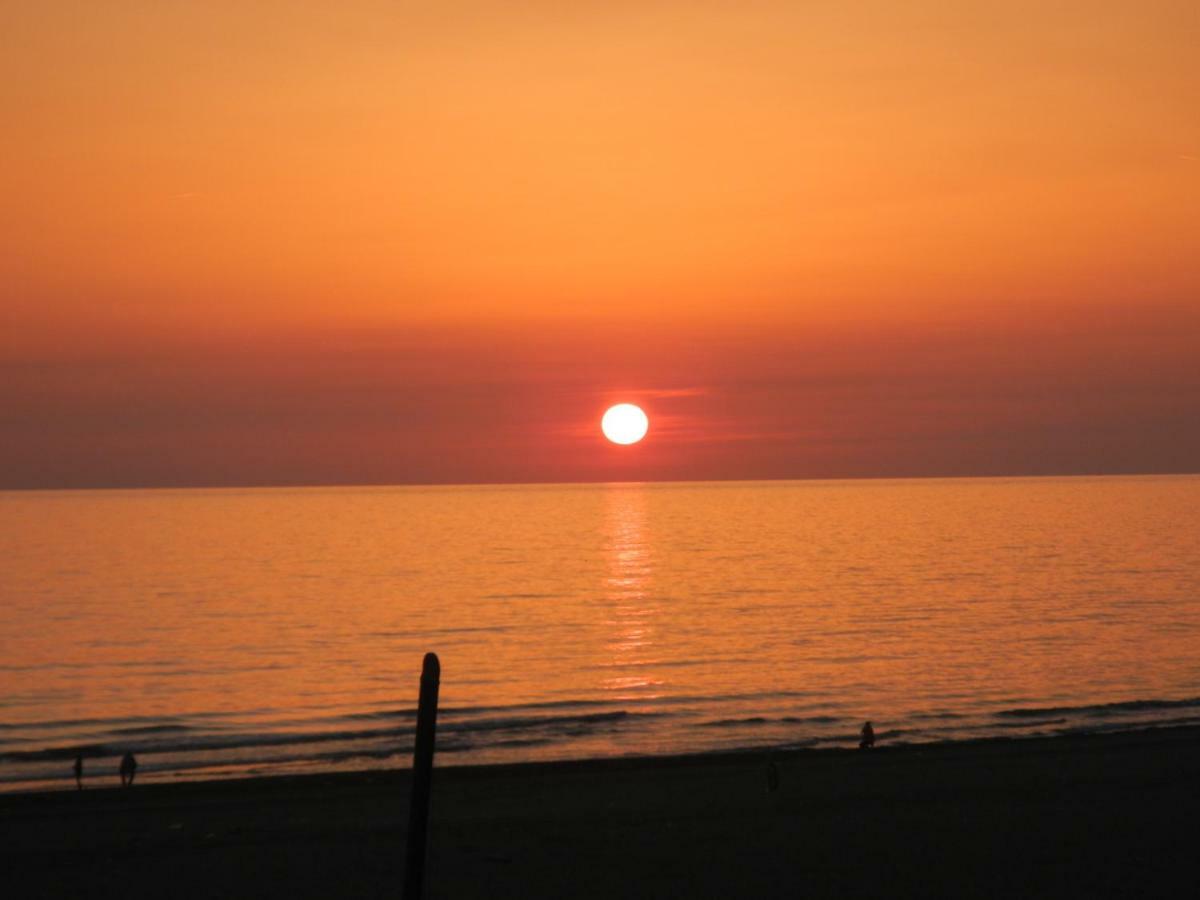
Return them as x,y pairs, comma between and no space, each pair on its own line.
1111,816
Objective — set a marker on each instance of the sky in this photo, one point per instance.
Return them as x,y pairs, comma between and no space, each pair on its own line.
391,242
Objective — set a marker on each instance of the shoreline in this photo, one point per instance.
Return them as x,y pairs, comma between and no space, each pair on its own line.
1076,815
446,762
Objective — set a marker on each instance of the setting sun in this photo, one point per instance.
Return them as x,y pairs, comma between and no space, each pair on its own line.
624,424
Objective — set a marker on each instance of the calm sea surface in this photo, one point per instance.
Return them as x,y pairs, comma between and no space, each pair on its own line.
230,632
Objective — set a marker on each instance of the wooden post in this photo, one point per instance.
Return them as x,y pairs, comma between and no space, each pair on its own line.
422,775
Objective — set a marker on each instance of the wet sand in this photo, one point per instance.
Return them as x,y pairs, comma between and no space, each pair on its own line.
1094,816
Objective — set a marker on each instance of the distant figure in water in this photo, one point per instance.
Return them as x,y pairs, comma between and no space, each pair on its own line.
868,737
128,769
79,771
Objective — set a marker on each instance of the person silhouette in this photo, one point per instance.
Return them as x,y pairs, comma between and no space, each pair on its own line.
128,769
868,737
772,776
78,767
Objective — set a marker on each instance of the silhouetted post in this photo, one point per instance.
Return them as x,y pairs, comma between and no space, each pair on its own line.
422,775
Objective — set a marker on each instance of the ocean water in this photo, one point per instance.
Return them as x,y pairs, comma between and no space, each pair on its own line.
224,633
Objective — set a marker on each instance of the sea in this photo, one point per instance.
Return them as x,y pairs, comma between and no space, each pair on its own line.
233,633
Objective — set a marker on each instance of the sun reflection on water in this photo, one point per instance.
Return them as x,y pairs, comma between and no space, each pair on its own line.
628,587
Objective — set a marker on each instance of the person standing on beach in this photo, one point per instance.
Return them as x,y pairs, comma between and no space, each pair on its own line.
128,769
868,737
78,767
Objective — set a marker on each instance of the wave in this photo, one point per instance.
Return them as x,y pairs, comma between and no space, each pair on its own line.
199,744
1110,727
410,712
50,754
768,720
1099,710
124,721
554,722
131,724
151,729
453,734
938,715
661,701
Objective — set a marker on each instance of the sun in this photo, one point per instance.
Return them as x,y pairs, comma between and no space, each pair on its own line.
624,424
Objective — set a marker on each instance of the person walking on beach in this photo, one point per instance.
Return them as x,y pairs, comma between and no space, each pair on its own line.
868,737
78,767
128,769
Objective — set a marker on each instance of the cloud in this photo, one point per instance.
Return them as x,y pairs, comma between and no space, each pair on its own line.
672,393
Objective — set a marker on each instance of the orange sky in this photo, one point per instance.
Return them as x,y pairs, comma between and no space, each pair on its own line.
390,242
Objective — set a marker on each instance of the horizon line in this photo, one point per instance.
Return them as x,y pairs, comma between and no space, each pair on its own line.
592,483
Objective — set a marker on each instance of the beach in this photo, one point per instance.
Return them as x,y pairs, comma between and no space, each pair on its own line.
1078,816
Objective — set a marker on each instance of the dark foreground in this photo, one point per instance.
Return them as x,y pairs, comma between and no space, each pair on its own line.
1112,816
